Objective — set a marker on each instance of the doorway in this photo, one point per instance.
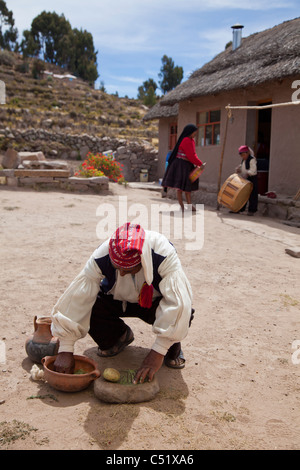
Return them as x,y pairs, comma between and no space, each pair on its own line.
262,146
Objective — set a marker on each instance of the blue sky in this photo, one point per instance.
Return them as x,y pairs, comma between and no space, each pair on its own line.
132,36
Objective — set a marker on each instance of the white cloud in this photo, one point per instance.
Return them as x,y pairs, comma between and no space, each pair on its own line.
126,79
148,26
129,24
131,36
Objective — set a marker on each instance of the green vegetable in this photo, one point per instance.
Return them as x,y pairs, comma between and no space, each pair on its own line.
127,376
79,371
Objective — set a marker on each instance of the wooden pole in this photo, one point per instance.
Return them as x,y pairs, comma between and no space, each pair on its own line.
222,153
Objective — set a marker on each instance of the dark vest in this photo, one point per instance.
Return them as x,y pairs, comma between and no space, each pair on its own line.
247,163
109,272
253,178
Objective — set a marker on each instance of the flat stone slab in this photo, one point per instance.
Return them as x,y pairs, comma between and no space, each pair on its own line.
152,186
98,179
7,172
47,173
110,392
293,251
92,180
44,165
40,179
31,156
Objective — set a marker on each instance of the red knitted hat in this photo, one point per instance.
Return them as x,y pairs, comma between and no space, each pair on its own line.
125,246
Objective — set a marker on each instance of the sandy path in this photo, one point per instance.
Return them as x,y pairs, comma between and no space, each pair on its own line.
240,387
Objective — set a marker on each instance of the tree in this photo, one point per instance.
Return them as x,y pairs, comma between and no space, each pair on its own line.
28,46
52,37
46,36
8,38
146,92
49,31
82,55
38,68
150,98
170,75
102,86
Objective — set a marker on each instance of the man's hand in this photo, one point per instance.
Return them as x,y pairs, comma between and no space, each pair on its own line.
64,363
151,364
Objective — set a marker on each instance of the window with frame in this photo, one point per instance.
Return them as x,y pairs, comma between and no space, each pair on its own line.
208,123
172,135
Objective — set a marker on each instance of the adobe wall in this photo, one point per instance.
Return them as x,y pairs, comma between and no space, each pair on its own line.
284,176
284,171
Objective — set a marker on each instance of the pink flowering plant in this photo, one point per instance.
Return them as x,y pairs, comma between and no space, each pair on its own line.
101,165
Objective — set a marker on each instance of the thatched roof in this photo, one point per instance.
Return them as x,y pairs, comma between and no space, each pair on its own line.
158,111
270,55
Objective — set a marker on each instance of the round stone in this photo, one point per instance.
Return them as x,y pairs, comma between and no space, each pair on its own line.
125,391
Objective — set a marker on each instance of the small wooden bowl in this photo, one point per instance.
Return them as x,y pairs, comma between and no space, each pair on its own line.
71,382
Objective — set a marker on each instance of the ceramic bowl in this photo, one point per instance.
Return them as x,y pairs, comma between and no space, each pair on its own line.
71,382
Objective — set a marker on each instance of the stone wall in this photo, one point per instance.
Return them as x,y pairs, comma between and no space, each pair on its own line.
52,179
286,209
134,155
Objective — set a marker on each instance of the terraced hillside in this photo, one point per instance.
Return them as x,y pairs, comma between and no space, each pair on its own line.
66,105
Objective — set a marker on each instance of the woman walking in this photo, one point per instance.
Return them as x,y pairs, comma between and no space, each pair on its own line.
182,161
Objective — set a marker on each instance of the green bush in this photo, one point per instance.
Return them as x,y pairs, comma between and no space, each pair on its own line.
23,67
38,69
7,58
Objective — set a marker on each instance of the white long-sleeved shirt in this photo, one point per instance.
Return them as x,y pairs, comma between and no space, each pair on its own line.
252,168
71,314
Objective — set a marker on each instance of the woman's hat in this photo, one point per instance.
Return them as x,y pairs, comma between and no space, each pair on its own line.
243,149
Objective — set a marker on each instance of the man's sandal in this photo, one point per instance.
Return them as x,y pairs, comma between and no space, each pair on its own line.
171,362
119,346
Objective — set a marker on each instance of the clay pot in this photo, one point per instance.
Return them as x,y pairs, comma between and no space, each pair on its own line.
41,343
71,382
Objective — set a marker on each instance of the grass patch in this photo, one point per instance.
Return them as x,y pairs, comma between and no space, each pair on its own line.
14,430
224,416
288,300
11,208
42,397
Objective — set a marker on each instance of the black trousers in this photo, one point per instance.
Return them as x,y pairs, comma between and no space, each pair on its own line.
253,199
107,326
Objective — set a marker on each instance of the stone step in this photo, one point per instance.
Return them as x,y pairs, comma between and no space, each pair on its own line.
43,165
39,173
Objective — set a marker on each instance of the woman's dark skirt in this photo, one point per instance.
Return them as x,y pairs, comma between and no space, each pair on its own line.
177,176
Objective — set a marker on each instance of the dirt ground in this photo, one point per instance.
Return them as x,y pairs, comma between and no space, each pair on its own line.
240,388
